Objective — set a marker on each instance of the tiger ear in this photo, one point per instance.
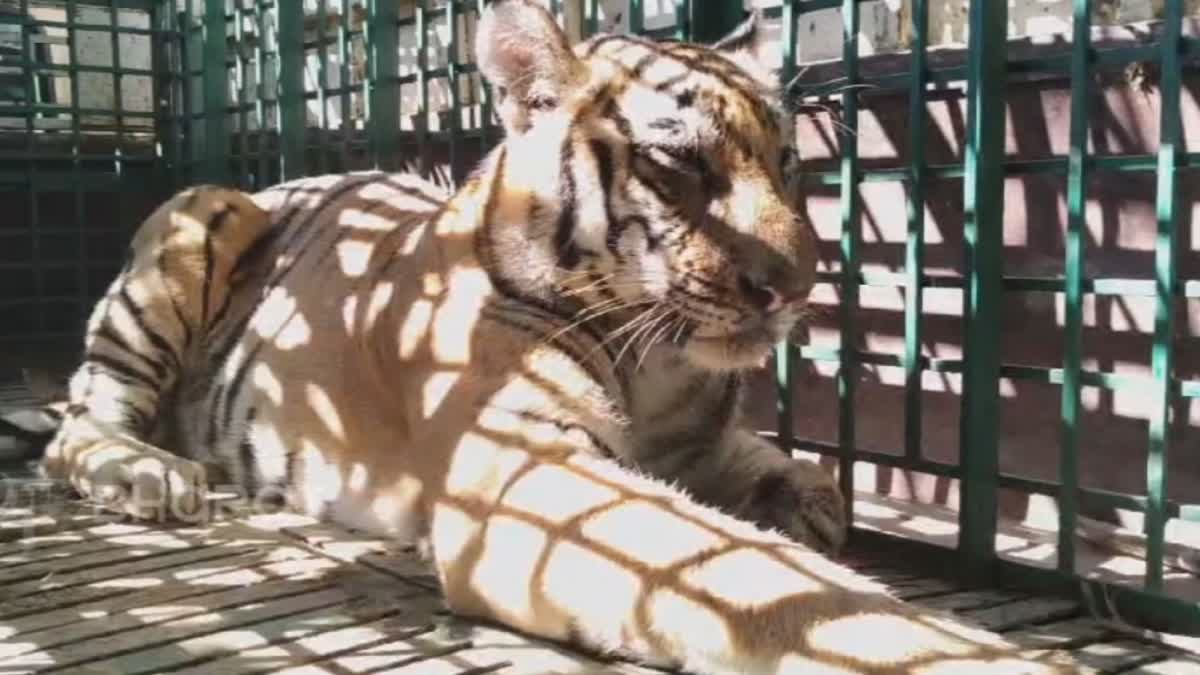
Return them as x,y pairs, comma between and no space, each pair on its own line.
749,46
521,50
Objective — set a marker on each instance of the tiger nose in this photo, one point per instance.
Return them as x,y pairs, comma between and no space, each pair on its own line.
764,295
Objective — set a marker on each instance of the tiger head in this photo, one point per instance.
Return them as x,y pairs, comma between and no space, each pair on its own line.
655,172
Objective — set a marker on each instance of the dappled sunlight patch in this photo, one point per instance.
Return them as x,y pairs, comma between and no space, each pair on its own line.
264,380
455,318
321,478
689,624
479,469
452,530
592,585
435,390
414,329
504,574
541,492
354,256
649,534
747,577
893,639
320,403
381,298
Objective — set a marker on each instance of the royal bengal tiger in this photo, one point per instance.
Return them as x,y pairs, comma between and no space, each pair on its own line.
538,376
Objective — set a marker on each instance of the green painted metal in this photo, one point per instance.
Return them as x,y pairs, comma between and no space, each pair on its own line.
422,124
383,95
786,352
1077,170
323,86
292,117
914,244
1161,359
983,206
849,245
637,16
216,144
457,169
711,19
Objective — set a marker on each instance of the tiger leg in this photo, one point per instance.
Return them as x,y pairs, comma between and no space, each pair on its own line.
579,550
753,479
141,339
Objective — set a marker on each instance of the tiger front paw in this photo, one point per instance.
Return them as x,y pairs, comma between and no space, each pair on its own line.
143,482
802,500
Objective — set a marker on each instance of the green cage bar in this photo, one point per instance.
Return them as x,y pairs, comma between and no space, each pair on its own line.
849,245
322,149
289,41
457,170
383,98
1077,174
983,207
215,90
785,352
1161,359
914,243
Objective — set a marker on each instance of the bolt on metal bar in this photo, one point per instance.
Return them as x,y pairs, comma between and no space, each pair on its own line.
1077,175
983,207
1165,273
849,245
914,243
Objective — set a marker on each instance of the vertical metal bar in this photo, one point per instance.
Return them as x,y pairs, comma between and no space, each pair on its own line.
216,142
422,23
637,16
849,245
456,168
188,124
76,167
1077,171
322,148
593,16
785,351
31,169
711,19
260,106
983,206
289,41
914,244
683,20
485,109
243,100
383,101
345,53
1161,361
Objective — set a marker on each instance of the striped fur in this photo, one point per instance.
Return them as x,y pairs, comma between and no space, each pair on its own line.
537,376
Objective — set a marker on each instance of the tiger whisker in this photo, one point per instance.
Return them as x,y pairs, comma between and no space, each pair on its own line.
655,337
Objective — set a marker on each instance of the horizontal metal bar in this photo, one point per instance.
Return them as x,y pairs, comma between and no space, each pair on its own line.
1093,497
1188,288
1102,499
1012,167
39,67
1091,378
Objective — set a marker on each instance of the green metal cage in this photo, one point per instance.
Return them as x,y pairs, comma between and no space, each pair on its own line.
254,92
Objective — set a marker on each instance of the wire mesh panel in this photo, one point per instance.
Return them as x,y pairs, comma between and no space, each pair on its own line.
79,162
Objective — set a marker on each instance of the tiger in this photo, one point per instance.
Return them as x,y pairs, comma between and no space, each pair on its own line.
536,376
